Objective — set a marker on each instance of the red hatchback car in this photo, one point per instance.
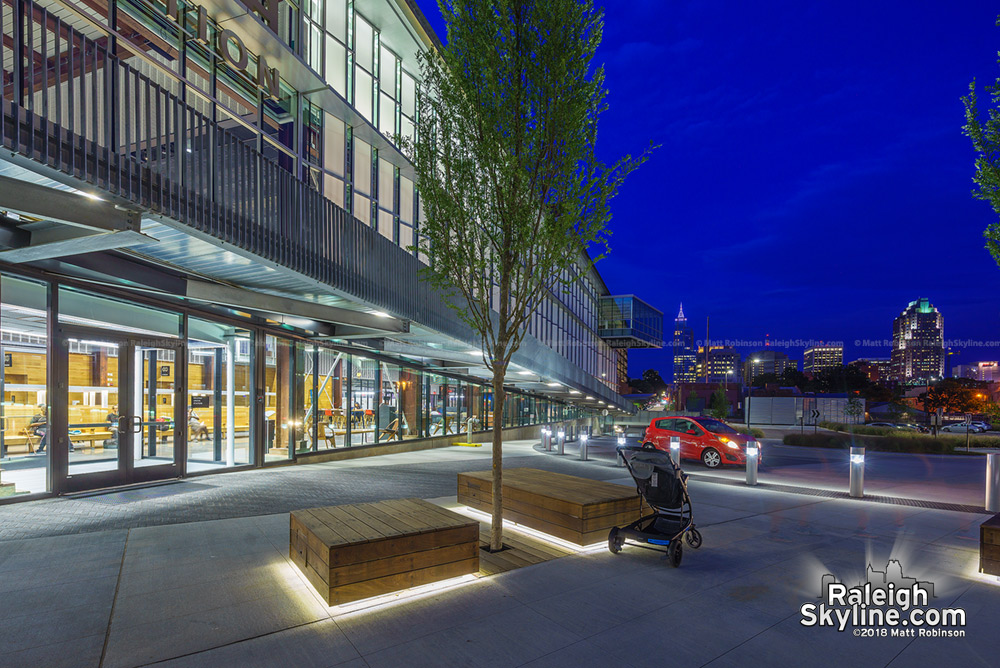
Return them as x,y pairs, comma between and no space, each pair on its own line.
710,440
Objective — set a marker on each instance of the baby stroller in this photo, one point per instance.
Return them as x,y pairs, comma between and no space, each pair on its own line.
663,487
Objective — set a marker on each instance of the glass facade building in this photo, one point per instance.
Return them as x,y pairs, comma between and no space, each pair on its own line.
685,355
918,344
206,226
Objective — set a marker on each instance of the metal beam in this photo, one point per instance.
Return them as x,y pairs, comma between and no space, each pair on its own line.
31,199
215,293
74,245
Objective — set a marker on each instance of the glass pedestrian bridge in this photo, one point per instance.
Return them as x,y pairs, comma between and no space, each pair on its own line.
625,321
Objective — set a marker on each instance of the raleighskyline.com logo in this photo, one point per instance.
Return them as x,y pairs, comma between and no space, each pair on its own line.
888,604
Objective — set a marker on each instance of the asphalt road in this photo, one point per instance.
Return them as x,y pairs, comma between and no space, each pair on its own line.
940,478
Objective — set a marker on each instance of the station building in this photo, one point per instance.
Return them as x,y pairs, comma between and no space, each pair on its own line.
205,264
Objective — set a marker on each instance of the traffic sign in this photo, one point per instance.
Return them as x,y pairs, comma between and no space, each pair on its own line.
815,413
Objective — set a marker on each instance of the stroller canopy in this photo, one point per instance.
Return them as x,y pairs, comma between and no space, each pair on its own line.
656,477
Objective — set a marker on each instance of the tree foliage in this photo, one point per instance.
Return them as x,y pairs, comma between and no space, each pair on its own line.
952,395
515,201
985,136
719,404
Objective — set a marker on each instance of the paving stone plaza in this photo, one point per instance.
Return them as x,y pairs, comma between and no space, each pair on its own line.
197,573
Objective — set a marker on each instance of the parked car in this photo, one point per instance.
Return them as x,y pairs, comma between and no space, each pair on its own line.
709,440
909,426
958,428
981,426
883,425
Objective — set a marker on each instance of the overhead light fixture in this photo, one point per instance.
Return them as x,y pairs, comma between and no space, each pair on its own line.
473,352
380,314
90,196
525,373
574,392
590,398
553,384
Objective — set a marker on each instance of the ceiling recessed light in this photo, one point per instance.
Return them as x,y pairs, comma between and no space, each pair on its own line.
525,373
380,314
553,384
574,392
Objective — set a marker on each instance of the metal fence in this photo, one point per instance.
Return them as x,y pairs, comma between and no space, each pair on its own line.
70,103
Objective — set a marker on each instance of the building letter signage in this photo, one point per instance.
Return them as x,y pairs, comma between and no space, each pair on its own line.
230,46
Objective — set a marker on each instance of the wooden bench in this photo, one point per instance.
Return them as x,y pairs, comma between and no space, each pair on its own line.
362,550
989,546
578,510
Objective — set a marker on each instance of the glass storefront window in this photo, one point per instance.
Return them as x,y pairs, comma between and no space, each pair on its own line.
23,383
363,400
282,399
219,374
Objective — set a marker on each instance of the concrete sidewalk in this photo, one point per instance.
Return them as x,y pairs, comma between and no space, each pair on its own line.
222,592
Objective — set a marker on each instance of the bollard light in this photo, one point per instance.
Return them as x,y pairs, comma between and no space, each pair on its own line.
753,460
857,472
675,450
993,482
621,440
583,447
562,441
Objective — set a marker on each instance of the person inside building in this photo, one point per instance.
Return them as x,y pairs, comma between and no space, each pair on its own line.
39,426
199,430
112,420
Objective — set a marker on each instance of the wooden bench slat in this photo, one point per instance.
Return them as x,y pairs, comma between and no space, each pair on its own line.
359,550
579,510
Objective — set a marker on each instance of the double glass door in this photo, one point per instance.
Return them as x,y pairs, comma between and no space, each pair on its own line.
117,411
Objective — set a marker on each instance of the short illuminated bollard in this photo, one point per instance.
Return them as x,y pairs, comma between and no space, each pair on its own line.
547,439
993,482
675,450
857,472
583,447
753,459
562,440
621,444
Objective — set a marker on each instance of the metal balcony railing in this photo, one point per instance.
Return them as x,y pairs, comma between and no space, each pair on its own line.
70,103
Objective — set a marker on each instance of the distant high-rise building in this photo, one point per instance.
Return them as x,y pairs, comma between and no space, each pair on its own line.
988,371
918,344
821,358
685,359
719,364
764,362
876,368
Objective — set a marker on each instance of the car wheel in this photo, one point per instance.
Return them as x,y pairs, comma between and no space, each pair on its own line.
615,541
711,458
675,552
693,538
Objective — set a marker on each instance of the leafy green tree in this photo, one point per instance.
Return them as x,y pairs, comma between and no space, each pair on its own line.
952,396
515,200
854,409
719,404
654,380
985,136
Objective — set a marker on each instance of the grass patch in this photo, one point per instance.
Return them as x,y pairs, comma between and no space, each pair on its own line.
897,442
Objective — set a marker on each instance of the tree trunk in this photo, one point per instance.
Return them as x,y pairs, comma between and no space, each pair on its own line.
499,398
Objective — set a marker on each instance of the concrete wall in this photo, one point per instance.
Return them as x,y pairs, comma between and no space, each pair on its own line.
790,410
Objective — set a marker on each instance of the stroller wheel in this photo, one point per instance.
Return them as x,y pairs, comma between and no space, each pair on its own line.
614,541
693,538
675,552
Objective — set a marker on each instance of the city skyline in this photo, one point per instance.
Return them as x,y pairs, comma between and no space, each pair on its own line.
827,242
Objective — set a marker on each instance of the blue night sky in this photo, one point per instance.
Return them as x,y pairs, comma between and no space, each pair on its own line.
812,177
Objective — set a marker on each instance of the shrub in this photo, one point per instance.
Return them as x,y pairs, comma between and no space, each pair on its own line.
757,433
